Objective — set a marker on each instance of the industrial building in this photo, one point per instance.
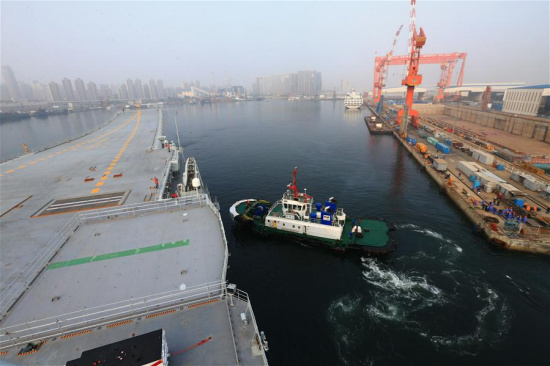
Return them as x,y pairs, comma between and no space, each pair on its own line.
528,100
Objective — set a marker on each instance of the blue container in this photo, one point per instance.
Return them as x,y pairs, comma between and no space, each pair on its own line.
519,202
477,183
413,142
472,178
500,167
448,142
443,148
326,218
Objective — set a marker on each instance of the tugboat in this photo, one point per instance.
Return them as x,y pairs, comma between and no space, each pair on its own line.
296,216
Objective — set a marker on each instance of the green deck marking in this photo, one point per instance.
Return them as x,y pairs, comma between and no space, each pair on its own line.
123,253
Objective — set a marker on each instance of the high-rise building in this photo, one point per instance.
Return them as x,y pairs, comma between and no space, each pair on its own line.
55,92
115,91
123,92
213,84
131,90
308,83
80,90
68,89
92,91
138,89
344,86
160,89
146,92
302,83
105,92
39,91
11,83
153,89
169,92
4,92
26,90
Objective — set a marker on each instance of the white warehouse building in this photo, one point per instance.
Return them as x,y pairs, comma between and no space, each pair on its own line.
527,100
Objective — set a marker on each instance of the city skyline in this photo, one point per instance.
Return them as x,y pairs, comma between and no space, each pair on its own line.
189,40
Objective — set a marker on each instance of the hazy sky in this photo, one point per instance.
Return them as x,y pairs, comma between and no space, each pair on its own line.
108,42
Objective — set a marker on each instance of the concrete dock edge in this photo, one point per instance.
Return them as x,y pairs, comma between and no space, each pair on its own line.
518,244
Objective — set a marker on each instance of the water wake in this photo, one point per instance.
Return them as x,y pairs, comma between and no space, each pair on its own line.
418,305
492,323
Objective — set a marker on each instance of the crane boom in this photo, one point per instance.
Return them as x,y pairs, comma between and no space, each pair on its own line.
413,78
381,69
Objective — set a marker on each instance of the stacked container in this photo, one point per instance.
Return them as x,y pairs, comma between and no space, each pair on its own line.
483,157
432,141
443,148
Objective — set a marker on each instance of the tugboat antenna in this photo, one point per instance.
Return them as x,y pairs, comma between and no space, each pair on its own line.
294,187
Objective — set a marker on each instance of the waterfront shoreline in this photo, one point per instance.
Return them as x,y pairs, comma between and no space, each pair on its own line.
464,204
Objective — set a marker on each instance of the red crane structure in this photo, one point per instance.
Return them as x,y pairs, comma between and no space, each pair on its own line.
486,99
381,70
412,79
446,60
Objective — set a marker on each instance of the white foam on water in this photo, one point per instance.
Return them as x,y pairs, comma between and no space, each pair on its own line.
458,249
342,318
422,255
431,233
494,311
409,286
407,226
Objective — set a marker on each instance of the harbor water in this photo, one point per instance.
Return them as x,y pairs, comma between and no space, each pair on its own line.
445,296
40,132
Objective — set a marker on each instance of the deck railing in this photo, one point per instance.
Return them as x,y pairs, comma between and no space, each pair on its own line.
88,318
143,208
20,284
243,296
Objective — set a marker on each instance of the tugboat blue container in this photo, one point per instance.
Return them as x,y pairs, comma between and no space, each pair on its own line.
443,148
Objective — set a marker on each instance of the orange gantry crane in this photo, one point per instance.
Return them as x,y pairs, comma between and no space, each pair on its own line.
446,60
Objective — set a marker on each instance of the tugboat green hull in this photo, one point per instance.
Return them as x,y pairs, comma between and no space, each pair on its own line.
373,237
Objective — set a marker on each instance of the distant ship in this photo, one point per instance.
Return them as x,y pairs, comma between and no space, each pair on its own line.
353,100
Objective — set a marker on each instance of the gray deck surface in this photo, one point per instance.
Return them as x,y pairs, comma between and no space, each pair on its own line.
134,276
184,328
60,173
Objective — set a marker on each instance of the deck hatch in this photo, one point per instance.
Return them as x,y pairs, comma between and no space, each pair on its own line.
75,204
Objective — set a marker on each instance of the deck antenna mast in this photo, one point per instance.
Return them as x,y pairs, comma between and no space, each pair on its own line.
180,148
293,186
